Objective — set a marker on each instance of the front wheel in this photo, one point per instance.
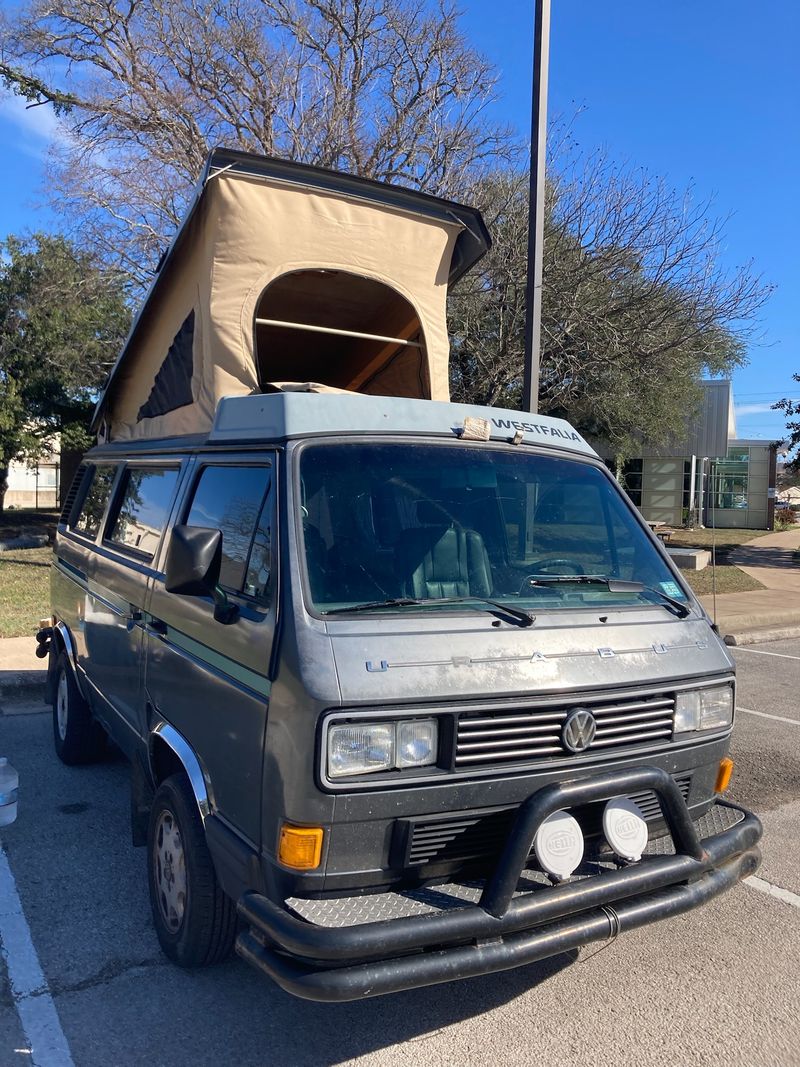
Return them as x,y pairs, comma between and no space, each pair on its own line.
194,920
77,737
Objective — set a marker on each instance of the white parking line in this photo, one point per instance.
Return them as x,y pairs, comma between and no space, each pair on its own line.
773,890
35,1007
763,652
765,715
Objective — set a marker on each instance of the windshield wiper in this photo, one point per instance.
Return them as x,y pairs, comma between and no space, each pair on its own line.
614,585
522,618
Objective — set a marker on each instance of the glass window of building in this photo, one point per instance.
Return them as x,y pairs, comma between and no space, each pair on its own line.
729,479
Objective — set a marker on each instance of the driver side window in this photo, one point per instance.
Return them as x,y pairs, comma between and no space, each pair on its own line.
237,501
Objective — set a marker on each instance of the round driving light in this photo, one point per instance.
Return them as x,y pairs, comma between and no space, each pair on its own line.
625,828
559,844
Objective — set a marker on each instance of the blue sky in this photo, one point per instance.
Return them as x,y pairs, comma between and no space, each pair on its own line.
700,91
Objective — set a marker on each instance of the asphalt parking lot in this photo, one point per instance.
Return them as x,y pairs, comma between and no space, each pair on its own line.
720,985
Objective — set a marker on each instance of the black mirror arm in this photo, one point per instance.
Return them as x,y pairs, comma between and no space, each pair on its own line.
224,611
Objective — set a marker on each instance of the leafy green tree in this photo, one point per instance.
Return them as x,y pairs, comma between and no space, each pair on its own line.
62,322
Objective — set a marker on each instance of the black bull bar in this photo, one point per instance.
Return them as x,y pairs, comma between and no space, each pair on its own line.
502,931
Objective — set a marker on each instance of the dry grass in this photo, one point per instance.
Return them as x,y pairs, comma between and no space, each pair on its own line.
729,580
24,590
26,520
724,539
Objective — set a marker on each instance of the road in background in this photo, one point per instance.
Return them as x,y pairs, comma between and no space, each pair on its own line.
720,985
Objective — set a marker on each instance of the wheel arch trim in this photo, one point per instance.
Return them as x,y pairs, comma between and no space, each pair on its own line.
64,642
195,772
61,631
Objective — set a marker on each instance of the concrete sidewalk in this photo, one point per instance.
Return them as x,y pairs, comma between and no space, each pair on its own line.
768,613
21,673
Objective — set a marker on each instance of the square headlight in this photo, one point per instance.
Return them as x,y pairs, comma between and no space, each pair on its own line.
704,709
364,748
360,749
417,742
716,707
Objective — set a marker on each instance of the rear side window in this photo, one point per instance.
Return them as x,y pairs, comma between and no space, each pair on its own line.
94,503
145,499
234,500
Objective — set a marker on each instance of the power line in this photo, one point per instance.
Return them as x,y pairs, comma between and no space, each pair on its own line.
778,393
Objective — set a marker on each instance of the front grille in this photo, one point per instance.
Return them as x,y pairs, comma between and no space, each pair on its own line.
481,836
531,734
461,839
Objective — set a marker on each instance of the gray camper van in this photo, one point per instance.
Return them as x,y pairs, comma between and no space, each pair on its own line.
409,690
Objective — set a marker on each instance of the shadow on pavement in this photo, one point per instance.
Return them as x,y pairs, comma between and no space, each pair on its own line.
781,558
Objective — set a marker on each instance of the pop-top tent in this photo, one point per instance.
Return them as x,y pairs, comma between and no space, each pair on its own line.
284,273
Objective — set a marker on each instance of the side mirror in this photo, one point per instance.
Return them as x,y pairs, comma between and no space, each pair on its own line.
193,564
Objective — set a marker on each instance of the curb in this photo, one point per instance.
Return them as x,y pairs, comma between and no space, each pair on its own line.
18,685
761,636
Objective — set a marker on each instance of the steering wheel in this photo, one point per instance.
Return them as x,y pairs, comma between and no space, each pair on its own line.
549,566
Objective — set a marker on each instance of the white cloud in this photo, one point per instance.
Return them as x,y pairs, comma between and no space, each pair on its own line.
38,126
753,409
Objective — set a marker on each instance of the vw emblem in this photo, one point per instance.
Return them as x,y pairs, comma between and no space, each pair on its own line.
578,731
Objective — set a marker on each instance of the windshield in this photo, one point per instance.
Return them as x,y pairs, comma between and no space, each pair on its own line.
400,527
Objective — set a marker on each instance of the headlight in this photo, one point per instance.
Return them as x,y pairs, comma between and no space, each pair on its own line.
360,749
364,748
416,743
704,709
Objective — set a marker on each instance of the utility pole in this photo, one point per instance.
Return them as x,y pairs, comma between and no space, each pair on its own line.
533,288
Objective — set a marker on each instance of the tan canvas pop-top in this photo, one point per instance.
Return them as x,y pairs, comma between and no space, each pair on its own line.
284,275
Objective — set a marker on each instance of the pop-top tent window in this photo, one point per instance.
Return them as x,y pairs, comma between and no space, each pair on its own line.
340,330
287,273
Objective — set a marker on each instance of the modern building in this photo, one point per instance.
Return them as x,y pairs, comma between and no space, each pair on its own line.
34,485
711,477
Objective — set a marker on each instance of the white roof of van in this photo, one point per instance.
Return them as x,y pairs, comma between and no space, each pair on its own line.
278,416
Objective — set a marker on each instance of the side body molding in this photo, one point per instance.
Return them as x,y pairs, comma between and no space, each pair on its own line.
198,780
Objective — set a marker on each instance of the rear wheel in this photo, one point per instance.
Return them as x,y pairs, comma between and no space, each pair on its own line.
195,921
77,737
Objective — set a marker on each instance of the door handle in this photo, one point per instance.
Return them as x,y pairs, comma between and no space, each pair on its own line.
132,619
156,626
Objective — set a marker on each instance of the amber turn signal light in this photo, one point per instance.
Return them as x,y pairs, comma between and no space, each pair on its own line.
300,847
724,775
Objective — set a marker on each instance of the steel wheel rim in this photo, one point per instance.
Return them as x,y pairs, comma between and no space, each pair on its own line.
62,706
169,861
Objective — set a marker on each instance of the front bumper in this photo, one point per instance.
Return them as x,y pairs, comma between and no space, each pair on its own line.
515,920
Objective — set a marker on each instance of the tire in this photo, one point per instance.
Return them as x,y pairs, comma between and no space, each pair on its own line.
77,737
194,920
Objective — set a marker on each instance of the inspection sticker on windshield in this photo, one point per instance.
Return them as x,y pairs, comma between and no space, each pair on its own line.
671,589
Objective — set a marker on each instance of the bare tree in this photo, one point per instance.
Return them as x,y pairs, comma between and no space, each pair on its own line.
636,304
389,89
